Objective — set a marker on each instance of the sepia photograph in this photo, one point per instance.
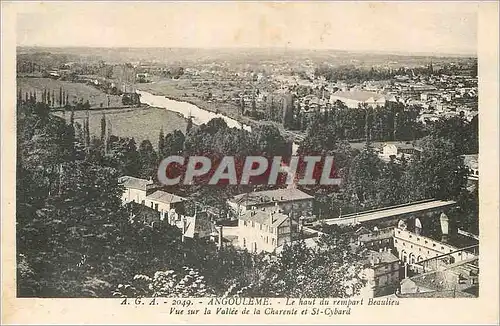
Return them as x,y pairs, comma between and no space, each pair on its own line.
300,159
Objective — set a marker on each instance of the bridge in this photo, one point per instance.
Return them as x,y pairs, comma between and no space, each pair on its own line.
405,210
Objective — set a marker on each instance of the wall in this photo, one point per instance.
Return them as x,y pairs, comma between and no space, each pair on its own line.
136,195
256,237
163,208
382,279
414,248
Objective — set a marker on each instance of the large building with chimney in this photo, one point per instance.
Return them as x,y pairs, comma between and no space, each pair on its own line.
290,200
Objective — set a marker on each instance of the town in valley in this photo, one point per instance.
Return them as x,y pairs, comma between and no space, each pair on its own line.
93,220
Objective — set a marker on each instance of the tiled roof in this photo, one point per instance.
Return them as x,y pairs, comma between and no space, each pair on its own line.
134,183
270,196
165,197
264,217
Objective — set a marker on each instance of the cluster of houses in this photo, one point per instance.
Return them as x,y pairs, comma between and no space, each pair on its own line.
397,261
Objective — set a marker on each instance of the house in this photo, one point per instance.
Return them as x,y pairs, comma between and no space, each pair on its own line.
287,200
354,98
397,150
136,189
164,202
264,230
382,272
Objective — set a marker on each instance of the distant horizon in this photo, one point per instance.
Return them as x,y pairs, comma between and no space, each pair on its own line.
378,52
437,28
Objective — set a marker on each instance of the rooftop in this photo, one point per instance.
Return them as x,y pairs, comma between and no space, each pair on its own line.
270,218
165,197
391,212
134,183
270,196
383,257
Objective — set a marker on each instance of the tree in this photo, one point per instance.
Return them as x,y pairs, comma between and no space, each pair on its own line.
185,284
60,96
330,270
147,160
439,173
161,143
363,177
189,124
103,127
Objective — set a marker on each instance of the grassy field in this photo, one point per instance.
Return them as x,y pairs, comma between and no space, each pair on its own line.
75,91
140,123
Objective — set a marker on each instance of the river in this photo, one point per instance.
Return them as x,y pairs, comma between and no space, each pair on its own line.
199,116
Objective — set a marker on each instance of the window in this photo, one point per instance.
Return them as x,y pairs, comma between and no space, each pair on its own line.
395,241
253,224
273,241
244,243
151,204
433,244
143,202
260,226
156,207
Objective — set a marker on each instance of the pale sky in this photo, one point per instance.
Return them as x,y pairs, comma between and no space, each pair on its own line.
433,27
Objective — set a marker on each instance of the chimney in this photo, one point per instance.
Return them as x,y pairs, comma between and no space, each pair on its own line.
270,218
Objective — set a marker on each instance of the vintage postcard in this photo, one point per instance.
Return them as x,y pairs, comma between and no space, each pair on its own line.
249,162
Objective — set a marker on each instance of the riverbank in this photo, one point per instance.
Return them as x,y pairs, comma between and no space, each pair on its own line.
226,109
199,116
167,89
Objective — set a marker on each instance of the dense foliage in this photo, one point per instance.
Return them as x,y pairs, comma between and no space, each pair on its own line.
76,239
